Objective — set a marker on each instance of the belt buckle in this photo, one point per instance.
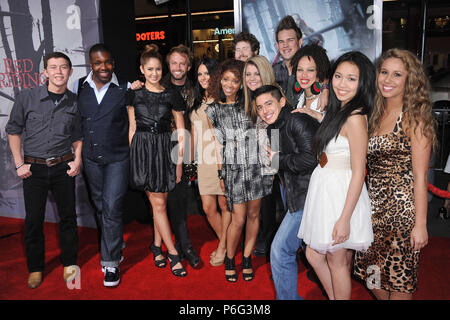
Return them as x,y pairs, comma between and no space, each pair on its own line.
323,159
49,163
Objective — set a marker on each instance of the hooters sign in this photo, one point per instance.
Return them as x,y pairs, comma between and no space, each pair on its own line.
150,36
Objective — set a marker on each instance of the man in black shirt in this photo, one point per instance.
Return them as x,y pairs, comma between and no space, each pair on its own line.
46,121
179,60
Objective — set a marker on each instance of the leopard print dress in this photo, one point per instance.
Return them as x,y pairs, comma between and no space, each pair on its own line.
390,263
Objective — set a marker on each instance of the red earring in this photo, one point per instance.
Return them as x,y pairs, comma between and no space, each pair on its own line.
315,88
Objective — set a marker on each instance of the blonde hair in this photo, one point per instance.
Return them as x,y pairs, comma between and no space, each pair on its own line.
267,77
416,99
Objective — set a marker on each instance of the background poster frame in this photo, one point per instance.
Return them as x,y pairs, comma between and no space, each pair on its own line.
338,25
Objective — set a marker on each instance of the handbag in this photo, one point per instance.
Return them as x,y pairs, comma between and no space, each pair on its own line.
189,172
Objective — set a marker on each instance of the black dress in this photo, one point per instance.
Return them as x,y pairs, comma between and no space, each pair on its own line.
151,166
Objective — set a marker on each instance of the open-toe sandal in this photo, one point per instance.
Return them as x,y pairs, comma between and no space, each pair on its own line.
230,266
247,264
158,252
174,259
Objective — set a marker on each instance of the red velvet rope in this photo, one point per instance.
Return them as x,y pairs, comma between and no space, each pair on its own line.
438,192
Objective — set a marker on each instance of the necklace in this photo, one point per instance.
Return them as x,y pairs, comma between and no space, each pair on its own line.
310,98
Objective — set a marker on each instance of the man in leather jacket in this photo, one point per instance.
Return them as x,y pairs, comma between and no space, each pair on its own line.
293,157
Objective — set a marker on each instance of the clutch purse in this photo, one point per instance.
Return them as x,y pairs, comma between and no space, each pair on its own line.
189,172
323,159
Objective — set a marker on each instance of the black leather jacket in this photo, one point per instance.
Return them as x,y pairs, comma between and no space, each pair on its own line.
295,158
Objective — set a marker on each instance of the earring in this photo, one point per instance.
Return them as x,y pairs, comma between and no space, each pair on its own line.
315,88
297,87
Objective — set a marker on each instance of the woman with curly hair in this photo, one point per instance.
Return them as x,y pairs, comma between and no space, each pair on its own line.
311,66
401,137
240,170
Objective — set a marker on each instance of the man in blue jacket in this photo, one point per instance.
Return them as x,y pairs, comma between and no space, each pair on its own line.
102,104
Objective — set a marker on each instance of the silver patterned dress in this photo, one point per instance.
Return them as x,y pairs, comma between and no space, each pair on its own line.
242,168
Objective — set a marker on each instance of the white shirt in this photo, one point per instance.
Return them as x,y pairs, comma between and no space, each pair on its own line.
99,94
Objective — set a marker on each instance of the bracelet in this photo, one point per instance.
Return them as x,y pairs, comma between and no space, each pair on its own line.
324,86
17,167
219,173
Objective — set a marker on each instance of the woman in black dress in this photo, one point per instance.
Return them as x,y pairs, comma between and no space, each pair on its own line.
155,163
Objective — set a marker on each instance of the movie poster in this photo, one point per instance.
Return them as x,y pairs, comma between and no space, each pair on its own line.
29,29
338,25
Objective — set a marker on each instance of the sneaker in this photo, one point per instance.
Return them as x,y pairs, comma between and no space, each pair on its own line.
104,268
112,277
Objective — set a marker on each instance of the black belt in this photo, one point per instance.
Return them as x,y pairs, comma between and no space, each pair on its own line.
155,127
50,162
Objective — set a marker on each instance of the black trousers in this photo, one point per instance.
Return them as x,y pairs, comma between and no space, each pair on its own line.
35,190
179,201
270,205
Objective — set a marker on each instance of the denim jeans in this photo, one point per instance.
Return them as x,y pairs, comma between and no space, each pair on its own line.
35,191
108,184
283,257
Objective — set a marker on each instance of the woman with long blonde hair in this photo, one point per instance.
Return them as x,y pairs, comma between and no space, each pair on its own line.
401,137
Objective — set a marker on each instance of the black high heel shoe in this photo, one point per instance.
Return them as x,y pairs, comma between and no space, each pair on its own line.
156,252
192,257
174,259
230,266
247,264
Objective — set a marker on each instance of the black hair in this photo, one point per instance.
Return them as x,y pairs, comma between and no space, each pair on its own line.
336,115
100,47
56,55
273,90
211,65
320,57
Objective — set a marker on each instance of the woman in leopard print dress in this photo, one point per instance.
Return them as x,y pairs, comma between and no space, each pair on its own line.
402,135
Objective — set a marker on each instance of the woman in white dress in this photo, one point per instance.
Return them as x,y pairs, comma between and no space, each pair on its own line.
336,217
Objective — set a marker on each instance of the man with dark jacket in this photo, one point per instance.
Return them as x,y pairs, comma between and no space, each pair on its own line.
179,59
102,104
293,156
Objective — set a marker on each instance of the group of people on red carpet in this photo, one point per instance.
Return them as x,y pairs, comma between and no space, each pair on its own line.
341,147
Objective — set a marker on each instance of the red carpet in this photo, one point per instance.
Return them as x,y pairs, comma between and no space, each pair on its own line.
140,279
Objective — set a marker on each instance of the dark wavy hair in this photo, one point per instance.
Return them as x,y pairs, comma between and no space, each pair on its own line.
318,54
211,65
246,37
215,87
362,102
